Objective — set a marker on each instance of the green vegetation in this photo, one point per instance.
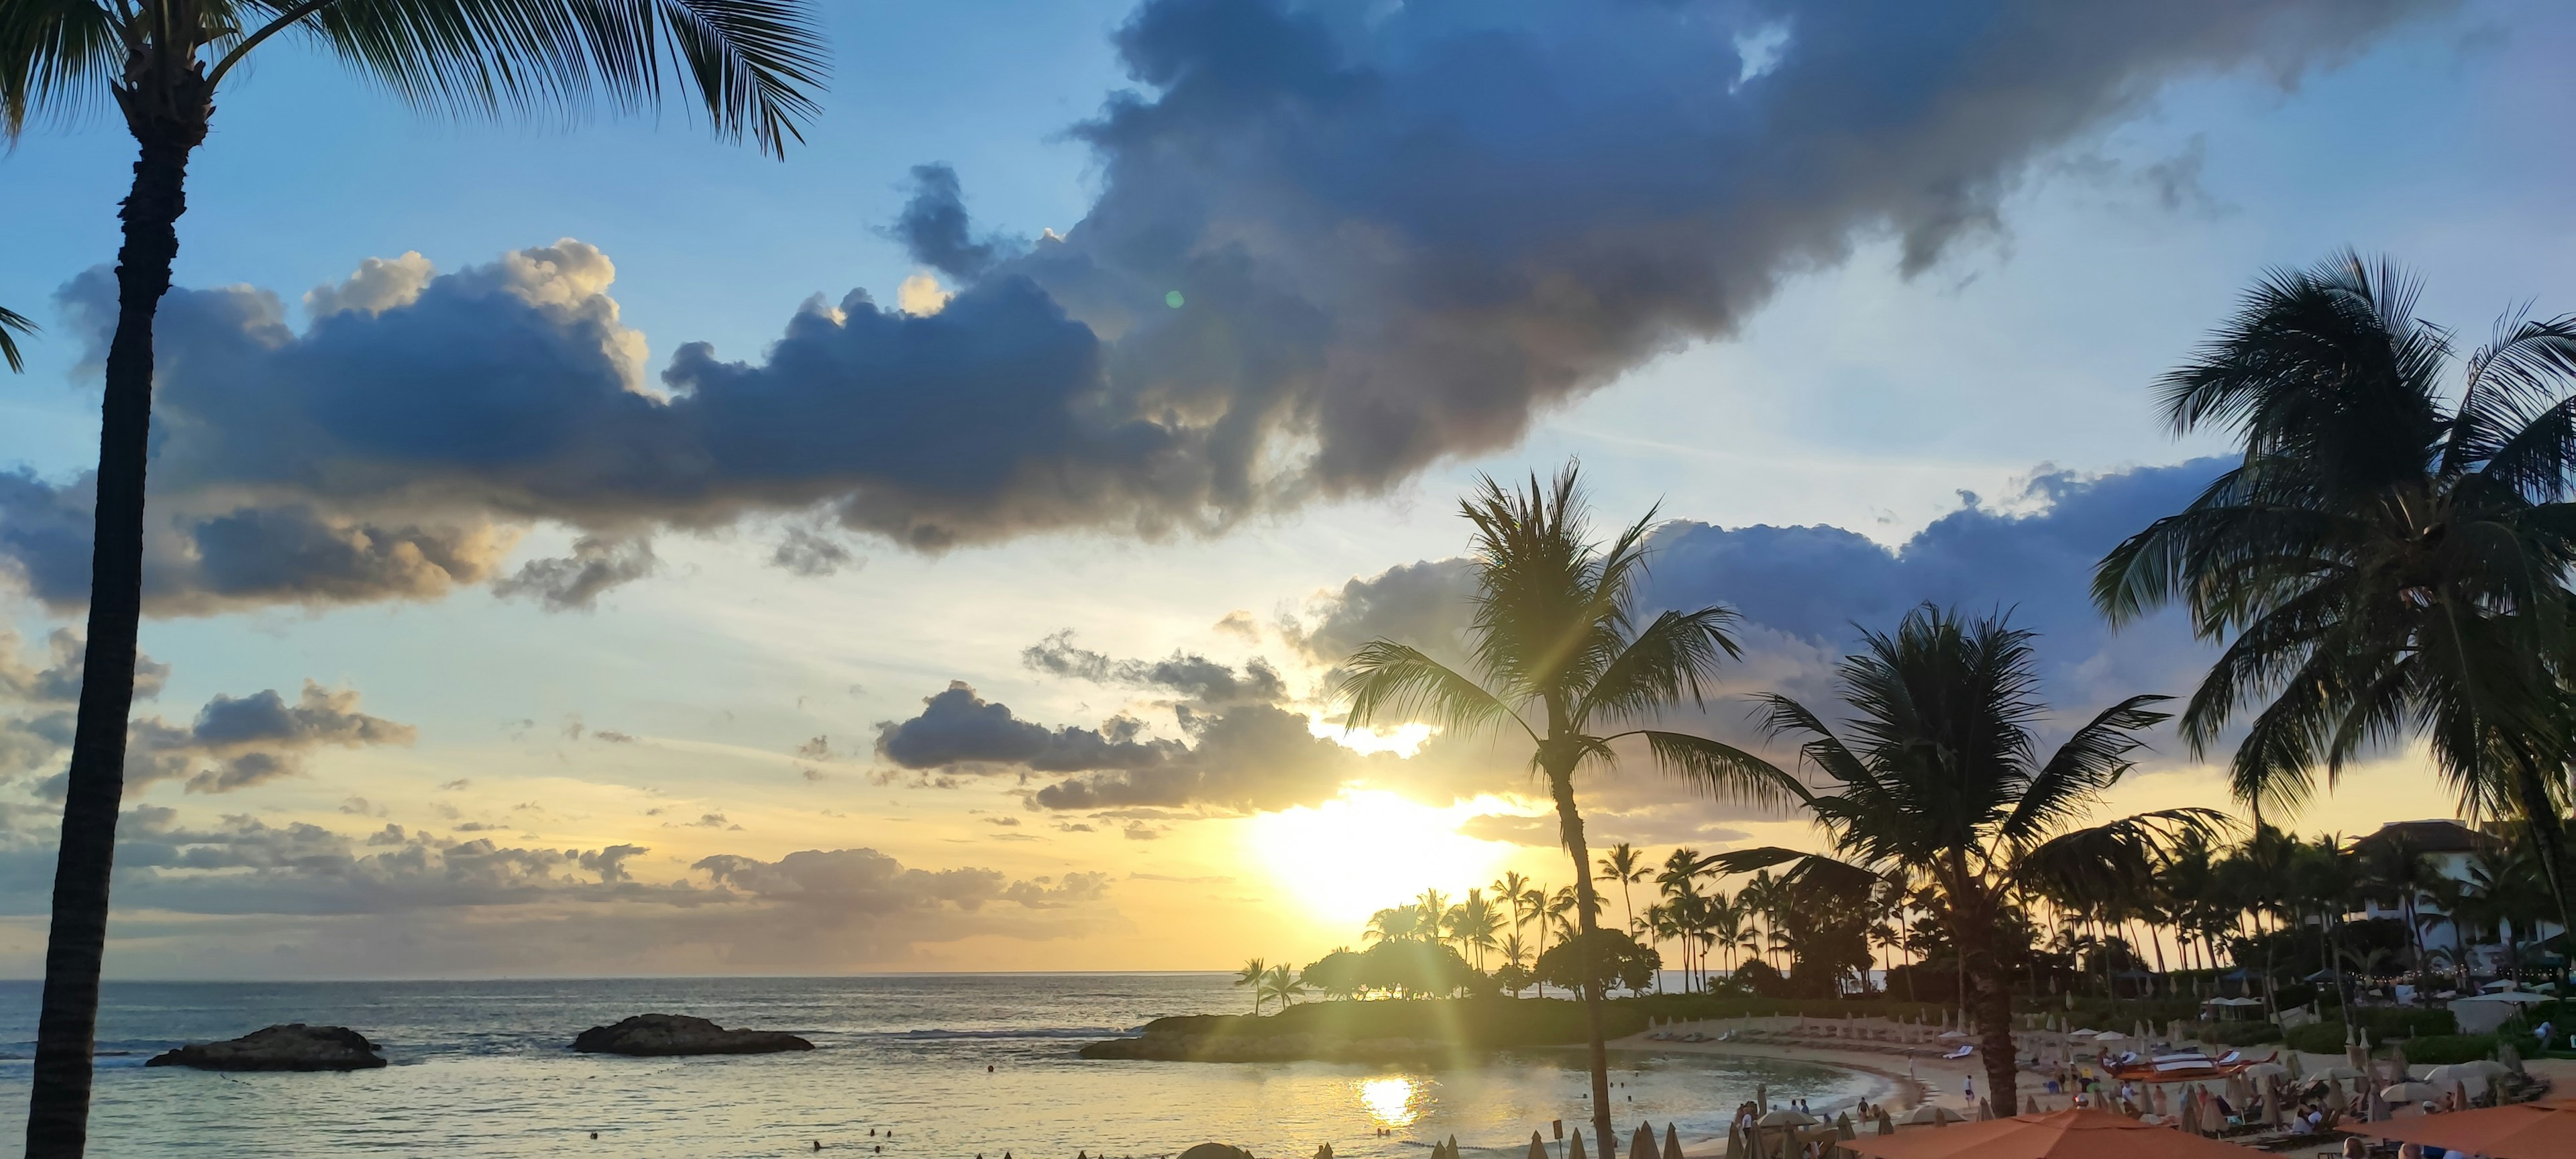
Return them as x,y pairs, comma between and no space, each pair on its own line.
12,324
1943,794
2385,562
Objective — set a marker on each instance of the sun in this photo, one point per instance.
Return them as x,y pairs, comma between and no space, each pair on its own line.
1369,849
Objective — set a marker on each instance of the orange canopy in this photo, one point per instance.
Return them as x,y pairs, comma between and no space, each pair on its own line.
2541,1130
2077,1134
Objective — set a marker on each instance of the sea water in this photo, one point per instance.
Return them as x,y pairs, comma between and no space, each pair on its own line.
940,1066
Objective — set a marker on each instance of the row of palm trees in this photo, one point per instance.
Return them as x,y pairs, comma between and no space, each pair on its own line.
2387,561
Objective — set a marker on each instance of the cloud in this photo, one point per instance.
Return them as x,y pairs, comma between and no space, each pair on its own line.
238,742
1805,593
1333,244
958,729
864,882
808,554
575,581
1193,677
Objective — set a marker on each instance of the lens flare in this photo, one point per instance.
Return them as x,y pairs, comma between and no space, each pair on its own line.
1390,1101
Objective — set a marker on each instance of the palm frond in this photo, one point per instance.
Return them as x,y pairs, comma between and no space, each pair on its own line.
750,64
2088,763
1724,771
56,57
1666,662
12,320
2116,855
1385,680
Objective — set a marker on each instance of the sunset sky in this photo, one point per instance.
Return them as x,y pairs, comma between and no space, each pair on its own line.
588,548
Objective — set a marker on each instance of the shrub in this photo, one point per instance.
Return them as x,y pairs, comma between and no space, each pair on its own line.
2317,1038
2441,1049
2239,1033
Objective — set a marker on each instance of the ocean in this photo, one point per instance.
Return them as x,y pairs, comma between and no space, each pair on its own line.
482,1069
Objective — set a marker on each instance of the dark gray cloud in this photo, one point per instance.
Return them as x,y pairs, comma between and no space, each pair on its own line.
1334,243
866,882
575,581
958,729
808,554
933,226
234,742
1191,676
1805,593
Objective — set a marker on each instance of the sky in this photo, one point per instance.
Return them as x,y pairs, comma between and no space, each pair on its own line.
581,546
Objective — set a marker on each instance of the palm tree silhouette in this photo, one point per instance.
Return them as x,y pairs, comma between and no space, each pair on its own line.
1281,983
12,324
1251,975
1560,659
1623,864
1943,785
2385,559
750,63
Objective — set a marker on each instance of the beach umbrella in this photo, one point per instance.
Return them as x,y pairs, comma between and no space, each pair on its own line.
1985,1110
2030,1104
2410,1092
1842,1128
1786,1117
1575,1150
1642,1144
2542,1130
1538,1147
1886,1125
1761,1096
1672,1142
1928,1113
2078,1134
2291,1060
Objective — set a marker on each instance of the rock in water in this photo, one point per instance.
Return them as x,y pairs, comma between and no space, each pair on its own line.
1215,1151
677,1034
294,1046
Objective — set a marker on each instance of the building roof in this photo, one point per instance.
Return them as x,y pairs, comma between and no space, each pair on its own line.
2438,836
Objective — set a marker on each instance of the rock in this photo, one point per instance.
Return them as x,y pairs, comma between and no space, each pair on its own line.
1215,1151
677,1034
294,1046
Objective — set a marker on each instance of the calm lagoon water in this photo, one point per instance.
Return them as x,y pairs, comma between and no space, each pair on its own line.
481,1069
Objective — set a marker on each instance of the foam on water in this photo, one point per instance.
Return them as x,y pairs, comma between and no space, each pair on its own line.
481,1069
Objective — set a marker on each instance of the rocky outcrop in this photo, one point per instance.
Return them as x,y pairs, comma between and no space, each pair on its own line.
662,1035
294,1046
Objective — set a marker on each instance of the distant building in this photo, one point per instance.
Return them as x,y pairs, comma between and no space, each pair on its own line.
2452,848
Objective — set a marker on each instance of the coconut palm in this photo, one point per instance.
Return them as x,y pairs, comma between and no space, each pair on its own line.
1401,923
1517,892
161,64
1623,864
12,324
1250,976
1562,659
2387,559
1473,924
2395,866
1942,785
1279,983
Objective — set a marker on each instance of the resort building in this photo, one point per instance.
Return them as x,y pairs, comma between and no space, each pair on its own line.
2451,851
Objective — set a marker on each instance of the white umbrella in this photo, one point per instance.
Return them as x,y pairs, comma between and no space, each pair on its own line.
1928,1113
2410,1092
1786,1117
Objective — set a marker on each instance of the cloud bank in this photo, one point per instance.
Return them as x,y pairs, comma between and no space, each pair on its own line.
1335,242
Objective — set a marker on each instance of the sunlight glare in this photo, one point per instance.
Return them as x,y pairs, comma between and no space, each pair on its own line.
1368,849
1389,1100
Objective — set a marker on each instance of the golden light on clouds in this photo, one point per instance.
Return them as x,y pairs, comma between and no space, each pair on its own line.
1403,740
1369,849
920,295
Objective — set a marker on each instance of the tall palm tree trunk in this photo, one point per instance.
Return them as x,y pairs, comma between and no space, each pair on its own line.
1981,968
168,121
1560,783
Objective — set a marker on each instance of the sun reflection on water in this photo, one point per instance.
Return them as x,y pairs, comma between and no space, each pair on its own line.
1391,1101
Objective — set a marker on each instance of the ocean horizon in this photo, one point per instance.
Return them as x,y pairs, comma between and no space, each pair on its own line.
952,1065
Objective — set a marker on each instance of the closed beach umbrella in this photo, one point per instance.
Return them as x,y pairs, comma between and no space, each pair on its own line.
1538,1147
2542,1130
1642,1144
2077,1134
1672,1142
1786,1117
2030,1104
1575,1151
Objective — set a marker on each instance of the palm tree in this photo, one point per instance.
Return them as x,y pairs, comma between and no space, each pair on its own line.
1250,976
2386,560
1516,891
1435,916
1943,785
2396,867
2505,895
1474,924
1561,658
1624,865
1401,923
749,62
1281,983
1678,881
11,320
